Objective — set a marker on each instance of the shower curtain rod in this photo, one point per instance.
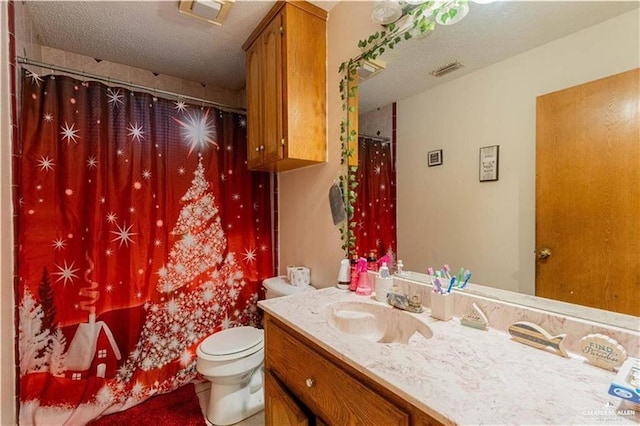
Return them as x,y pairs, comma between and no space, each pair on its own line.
150,90
375,138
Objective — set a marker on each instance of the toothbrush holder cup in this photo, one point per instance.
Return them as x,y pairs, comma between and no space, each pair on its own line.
442,306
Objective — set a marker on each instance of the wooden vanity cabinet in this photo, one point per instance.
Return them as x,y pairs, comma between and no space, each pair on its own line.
286,88
304,383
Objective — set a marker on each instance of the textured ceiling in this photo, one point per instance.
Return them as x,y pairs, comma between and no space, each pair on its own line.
153,35
490,33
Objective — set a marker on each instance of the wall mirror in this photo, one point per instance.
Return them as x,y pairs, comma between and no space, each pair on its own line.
511,53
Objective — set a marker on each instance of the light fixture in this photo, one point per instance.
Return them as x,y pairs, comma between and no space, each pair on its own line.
370,67
386,11
213,11
444,16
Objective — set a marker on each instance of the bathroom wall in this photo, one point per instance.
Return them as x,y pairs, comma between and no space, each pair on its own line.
378,120
445,215
307,234
7,334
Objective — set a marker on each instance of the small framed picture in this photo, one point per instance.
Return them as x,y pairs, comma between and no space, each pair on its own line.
489,163
434,158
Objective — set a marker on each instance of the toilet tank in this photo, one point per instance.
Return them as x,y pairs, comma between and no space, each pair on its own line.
279,286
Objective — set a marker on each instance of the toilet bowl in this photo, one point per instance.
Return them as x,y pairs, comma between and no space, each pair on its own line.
279,286
232,360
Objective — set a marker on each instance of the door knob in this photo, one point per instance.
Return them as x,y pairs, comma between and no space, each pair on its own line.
544,253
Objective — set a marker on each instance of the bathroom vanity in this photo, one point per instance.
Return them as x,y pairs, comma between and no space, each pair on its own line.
344,367
305,381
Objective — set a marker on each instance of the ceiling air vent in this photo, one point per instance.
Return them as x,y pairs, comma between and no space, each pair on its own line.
214,11
446,69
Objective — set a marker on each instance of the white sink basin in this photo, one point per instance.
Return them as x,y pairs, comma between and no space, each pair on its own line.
374,322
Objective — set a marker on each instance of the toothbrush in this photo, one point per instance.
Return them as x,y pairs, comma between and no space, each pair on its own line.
467,277
451,283
437,287
447,273
460,275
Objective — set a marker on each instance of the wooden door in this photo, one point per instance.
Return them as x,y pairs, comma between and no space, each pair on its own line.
272,90
588,194
280,408
254,103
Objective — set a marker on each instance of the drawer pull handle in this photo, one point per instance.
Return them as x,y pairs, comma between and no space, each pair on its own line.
310,382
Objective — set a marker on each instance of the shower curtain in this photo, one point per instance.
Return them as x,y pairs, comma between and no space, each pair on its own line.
140,231
375,209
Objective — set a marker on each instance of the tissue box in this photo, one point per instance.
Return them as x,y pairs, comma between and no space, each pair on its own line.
626,384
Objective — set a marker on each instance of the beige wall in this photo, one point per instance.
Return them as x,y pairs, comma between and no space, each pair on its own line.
444,214
7,363
307,234
378,120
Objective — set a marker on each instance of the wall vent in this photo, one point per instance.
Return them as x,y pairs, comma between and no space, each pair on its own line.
446,69
369,68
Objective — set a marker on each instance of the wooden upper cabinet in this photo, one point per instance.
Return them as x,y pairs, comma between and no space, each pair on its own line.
286,88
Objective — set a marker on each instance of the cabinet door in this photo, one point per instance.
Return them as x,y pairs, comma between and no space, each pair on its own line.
280,408
272,90
326,389
254,102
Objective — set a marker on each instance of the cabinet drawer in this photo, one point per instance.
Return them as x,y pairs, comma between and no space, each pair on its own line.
330,392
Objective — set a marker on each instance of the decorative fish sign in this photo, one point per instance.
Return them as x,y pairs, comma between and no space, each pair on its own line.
534,335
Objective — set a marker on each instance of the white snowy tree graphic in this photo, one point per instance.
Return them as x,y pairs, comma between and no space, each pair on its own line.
32,339
56,353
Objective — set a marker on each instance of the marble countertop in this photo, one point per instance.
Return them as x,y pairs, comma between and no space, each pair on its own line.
462,375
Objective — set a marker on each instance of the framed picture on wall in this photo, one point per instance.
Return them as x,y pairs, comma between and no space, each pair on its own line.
489,164
434,158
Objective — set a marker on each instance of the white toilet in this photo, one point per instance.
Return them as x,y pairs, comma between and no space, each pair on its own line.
232,361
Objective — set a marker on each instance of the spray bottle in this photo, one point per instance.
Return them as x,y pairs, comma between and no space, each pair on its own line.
364,286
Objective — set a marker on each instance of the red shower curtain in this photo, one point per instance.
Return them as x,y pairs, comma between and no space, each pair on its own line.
140,231
375,211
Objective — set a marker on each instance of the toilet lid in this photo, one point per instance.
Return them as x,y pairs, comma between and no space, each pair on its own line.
232,340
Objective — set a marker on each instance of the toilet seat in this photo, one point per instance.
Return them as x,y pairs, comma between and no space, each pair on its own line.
232,343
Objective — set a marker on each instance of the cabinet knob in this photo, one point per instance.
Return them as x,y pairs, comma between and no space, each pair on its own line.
257,149
310,382
261,147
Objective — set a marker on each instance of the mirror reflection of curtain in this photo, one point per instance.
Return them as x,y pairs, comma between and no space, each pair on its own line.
140,232
375,209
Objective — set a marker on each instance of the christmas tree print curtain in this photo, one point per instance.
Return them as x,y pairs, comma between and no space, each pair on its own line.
375,210
140,232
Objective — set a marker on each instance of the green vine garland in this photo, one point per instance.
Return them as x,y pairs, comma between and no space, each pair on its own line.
420,20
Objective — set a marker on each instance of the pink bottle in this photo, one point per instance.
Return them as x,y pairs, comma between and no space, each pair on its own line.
364,287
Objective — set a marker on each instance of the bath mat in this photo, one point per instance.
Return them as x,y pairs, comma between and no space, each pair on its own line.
177,408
